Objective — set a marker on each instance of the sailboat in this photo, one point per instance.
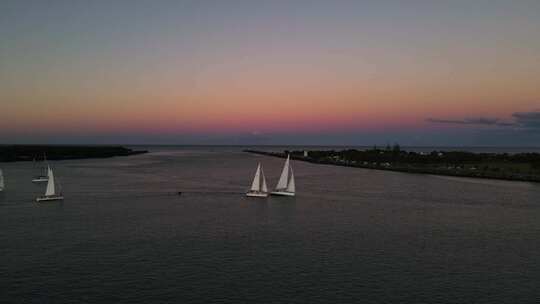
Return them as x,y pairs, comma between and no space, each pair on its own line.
286,185
51,194
1,181
43,176
258,186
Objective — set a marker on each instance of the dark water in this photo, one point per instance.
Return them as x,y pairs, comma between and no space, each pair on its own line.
350,236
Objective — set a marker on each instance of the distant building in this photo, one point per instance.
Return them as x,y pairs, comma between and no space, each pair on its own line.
306,153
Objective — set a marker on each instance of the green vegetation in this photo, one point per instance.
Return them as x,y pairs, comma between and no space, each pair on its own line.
9,153
522,166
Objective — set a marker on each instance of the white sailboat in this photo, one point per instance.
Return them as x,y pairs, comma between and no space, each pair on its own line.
51,194
286,185
43,177
258,186
1,181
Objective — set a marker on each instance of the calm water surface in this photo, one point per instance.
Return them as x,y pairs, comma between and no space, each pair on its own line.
350,236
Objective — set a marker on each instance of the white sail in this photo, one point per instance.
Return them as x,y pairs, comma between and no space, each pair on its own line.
264,188
283,179
291,187
50,184
256,185
1,180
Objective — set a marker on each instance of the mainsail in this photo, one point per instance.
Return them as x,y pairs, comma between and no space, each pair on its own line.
283,179
256,185
50,184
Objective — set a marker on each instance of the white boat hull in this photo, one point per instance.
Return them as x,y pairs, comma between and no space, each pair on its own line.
283,193
257,194
40,179
49,198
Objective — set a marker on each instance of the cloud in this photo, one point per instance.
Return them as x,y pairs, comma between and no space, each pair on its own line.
521,121
486,121
527,120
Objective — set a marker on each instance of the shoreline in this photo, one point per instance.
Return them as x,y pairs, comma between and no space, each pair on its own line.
404,168
15,153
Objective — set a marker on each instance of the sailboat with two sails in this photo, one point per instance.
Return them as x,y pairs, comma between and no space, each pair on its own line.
52,192
286,185
258,186
42,177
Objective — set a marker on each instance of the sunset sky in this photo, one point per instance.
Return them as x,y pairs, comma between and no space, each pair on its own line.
271,72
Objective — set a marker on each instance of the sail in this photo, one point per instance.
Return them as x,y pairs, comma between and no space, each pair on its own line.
256,185
264,188
1,179
283,179
291,187
50,184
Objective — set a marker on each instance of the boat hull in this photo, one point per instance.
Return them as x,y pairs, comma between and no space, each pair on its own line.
40,179
256,194
49,198
283,193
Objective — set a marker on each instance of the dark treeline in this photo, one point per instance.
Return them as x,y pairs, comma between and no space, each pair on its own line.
9,153
522,166
397,156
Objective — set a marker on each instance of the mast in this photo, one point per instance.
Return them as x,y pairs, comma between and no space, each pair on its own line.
45,165
50,183
1,180
256,185
283,179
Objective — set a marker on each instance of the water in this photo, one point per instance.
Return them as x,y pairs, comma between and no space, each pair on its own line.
350,236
